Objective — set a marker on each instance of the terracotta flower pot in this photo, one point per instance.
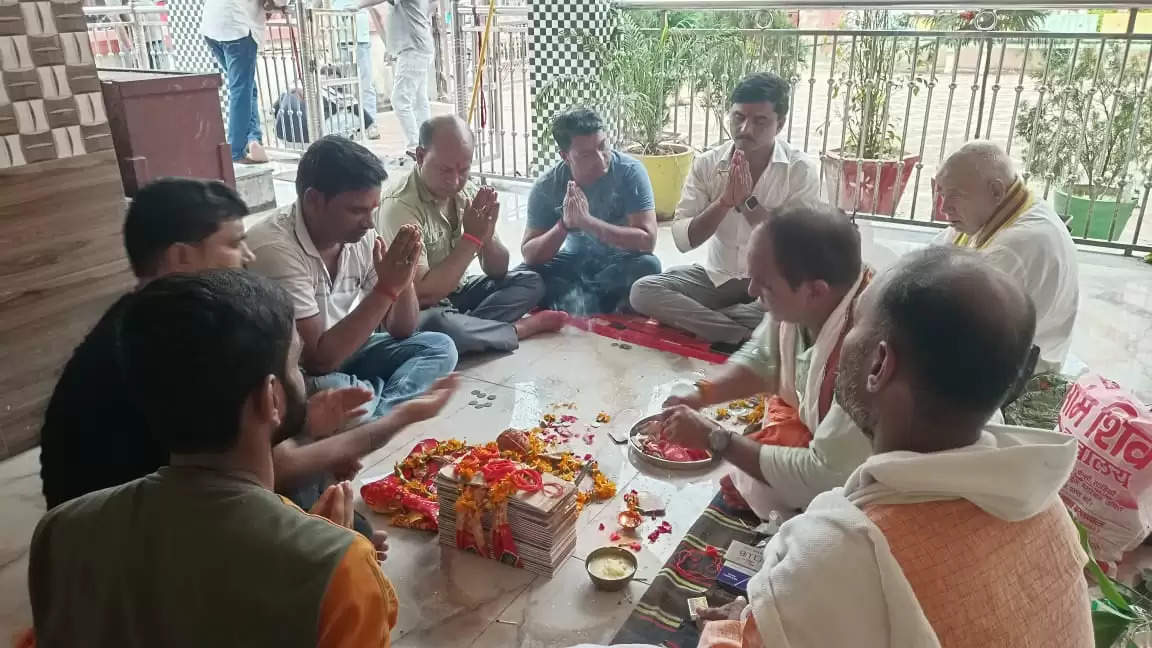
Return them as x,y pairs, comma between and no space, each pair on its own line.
867,186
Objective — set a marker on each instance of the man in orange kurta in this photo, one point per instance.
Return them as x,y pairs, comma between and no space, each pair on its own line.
952,534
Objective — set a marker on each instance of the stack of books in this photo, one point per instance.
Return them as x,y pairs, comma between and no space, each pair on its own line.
543,527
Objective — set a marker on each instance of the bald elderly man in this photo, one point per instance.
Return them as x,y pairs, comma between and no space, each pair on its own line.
927,542
458,220
991,210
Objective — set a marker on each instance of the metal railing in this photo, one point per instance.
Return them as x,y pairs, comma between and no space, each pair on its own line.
501,116
1031,92
934,91
134,36
307,79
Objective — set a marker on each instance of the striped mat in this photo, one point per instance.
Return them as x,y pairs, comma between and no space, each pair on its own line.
661,616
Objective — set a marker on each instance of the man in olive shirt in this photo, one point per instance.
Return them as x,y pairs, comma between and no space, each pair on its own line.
458,223
202,552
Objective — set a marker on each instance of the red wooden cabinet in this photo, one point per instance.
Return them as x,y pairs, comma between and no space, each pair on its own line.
166,124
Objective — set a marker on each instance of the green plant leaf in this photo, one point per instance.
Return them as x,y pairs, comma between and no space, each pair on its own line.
1107,587
1108,624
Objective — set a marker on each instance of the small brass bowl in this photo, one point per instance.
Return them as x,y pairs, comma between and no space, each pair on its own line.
611,584
629,519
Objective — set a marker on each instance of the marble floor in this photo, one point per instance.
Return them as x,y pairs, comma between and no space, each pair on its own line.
453,599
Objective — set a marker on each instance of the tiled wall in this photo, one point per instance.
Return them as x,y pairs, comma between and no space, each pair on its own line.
50,101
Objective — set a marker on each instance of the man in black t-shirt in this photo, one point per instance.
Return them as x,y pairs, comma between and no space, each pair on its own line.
93,435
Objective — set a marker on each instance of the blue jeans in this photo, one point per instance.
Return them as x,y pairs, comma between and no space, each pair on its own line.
238,61
583,284
367,99
395,370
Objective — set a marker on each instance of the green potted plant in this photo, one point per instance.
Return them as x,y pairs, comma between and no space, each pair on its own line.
1015,20
638,76
1090,135
728,54
870,170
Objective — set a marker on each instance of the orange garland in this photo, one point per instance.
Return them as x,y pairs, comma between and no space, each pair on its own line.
565,465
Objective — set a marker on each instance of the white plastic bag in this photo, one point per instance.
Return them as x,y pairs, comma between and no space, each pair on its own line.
1110,490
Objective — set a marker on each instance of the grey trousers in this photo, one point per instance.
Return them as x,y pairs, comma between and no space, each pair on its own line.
477,315
684,297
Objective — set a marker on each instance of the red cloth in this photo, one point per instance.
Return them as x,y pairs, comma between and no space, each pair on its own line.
639,330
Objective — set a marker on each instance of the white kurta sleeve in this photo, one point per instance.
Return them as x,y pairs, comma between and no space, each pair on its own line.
694,200
797,475
829,580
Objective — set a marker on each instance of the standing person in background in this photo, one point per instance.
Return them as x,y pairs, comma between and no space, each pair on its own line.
410,41
363,47
233,30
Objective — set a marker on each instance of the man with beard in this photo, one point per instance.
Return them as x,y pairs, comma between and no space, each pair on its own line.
929,540
202,552
94,435
807,274
731,190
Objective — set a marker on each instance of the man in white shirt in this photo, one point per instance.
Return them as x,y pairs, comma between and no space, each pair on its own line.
346,285
807,273
233,30
990,210
731,190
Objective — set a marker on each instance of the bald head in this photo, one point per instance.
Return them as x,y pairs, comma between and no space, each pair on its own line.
444,157
972,183
940,341
451,127
964,329
981,159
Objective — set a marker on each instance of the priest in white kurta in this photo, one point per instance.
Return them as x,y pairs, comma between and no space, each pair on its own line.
990,210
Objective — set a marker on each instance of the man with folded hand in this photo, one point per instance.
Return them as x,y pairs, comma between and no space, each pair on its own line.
173,558
347,284
458,224
591,221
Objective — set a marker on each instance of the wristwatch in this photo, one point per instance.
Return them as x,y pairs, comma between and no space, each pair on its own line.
748,205
719,439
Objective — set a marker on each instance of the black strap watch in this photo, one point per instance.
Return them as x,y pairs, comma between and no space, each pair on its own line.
748,205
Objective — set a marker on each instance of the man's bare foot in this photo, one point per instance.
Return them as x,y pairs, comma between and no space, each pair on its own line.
543,322
256,153
380,541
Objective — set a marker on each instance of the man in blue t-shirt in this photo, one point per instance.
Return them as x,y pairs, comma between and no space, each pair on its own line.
591,221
